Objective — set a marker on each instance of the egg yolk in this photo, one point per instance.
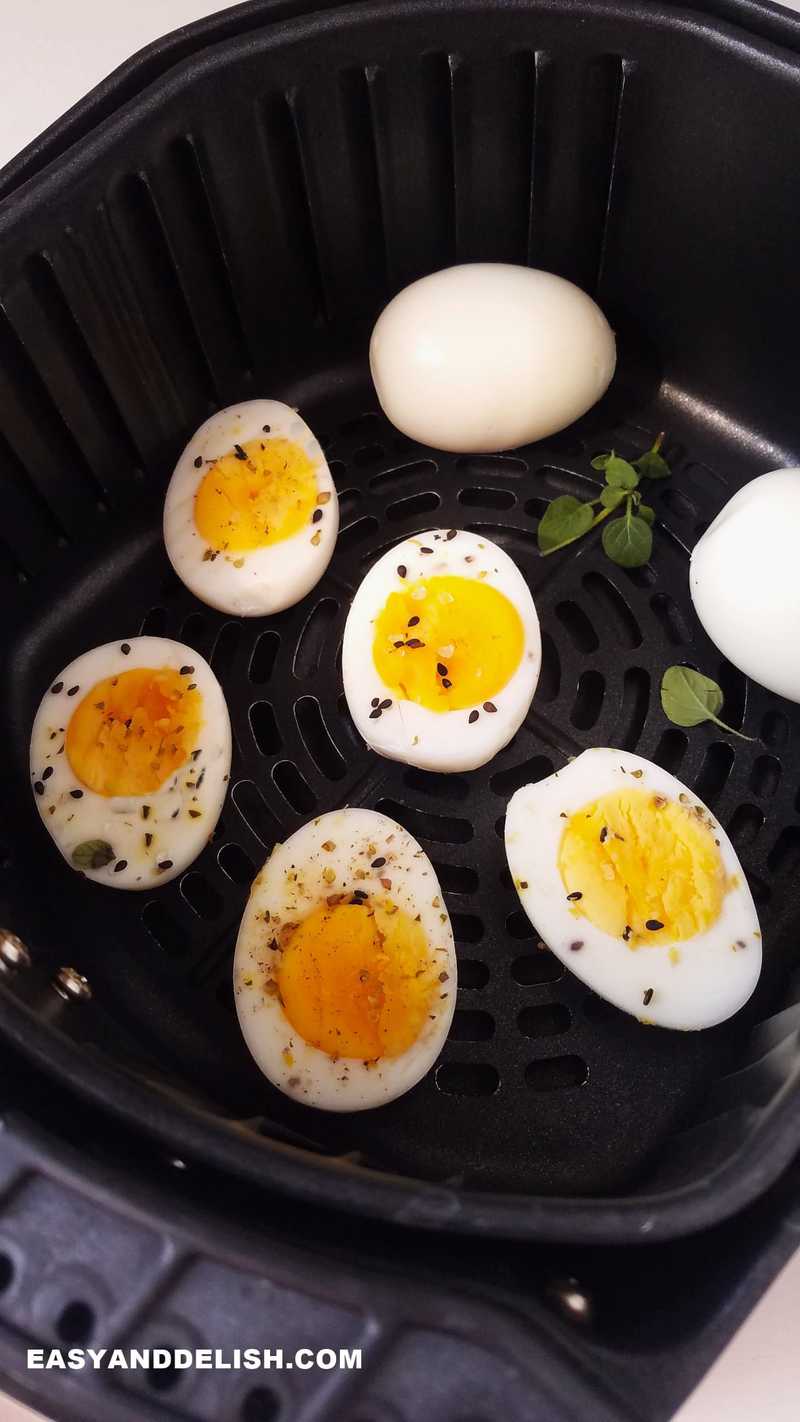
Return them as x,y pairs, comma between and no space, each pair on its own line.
260,493
357,980
642,868
133,730
447,642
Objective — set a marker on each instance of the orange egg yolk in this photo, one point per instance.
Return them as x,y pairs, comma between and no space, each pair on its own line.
642,868
259,493
133,730
358,980
447,642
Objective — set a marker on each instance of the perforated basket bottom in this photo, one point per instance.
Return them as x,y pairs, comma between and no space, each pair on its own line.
542,1087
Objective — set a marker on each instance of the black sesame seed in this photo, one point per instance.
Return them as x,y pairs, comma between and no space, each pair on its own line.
198,463
59,686
401,643
38,787
196,753
446,683
145,811
194,814
378,863
576,946
120,865
648,997
413,621
76,794
73,690
125,648
374,701
574,896
186,671
373,715
266,428
653,924
489,706
192,684
441,669
47,772
239,452
175,813
401,570
148,840
316,516
386,703
164,864
451,533
472,718
627,933
604,834
414,642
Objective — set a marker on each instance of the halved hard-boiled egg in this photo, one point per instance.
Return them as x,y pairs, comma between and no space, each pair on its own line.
345,969
441,651
631,882
130,758
251,514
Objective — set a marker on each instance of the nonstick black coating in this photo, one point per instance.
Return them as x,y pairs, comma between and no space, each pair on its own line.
232,232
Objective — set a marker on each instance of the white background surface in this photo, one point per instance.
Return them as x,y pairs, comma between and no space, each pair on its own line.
51,53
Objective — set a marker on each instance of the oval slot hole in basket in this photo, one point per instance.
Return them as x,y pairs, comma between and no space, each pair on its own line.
556,1073
467,1079
544,1019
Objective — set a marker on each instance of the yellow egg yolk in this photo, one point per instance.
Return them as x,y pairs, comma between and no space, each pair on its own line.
447,642
260,493
642,868
357,980
133,730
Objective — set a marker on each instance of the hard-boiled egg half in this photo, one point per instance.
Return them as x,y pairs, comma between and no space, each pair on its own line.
632,883
130,758
345,970
251,514
441,651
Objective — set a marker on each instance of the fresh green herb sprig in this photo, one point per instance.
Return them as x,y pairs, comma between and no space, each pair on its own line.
688,699
627,540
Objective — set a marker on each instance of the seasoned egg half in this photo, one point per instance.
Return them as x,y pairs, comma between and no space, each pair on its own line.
633,884
345,971
441,651
251,513
130,758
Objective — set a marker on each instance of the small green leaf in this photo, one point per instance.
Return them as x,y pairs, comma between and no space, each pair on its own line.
601,460
620,474
93,854
564,520
628,541
688,699
644,511
612,498
652,466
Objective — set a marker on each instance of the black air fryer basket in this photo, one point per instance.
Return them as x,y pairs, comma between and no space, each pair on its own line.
225,220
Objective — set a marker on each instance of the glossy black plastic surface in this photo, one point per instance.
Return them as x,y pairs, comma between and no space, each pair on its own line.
232,231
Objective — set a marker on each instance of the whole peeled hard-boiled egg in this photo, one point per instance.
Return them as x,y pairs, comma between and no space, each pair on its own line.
441,651
251,513
130,758
489,356
744,579
345,971
631,882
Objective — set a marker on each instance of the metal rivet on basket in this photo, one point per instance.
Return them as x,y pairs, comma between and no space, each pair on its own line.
13,952
71,985
571,1299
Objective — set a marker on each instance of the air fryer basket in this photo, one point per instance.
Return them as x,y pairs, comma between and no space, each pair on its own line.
233,230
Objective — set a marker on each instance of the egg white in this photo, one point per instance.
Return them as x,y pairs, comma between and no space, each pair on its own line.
199,785
405,731
271,578
290,885
713,977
